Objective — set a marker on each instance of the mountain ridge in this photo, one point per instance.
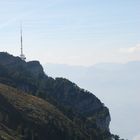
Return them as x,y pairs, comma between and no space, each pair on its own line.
81,107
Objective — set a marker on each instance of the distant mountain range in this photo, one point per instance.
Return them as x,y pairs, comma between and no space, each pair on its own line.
34,106
117,85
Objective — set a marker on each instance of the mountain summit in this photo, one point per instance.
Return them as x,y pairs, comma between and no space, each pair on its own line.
34,106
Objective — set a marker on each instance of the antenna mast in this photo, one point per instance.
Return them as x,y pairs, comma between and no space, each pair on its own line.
22,56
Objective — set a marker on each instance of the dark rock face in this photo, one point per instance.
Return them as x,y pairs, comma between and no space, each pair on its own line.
15,63
84,110
35,68
6,59
80,102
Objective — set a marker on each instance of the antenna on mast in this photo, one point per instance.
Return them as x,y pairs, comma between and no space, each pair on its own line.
22,56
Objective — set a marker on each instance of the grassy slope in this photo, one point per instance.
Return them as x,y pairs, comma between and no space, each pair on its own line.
38,111
8,134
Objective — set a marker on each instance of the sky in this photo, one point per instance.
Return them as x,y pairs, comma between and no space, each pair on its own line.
75,32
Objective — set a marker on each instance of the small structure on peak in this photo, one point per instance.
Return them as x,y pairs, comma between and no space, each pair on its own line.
22,56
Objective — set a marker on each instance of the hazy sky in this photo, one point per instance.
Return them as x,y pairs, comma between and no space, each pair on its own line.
77,32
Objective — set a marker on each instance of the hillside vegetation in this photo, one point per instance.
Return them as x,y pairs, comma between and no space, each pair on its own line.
33,118
34,106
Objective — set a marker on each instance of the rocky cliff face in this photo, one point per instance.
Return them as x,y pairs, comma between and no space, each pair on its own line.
80,107
35,68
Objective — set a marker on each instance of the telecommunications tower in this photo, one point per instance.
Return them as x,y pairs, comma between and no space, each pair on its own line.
22,56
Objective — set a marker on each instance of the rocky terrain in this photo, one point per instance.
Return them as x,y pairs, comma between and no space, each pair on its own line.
34,106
